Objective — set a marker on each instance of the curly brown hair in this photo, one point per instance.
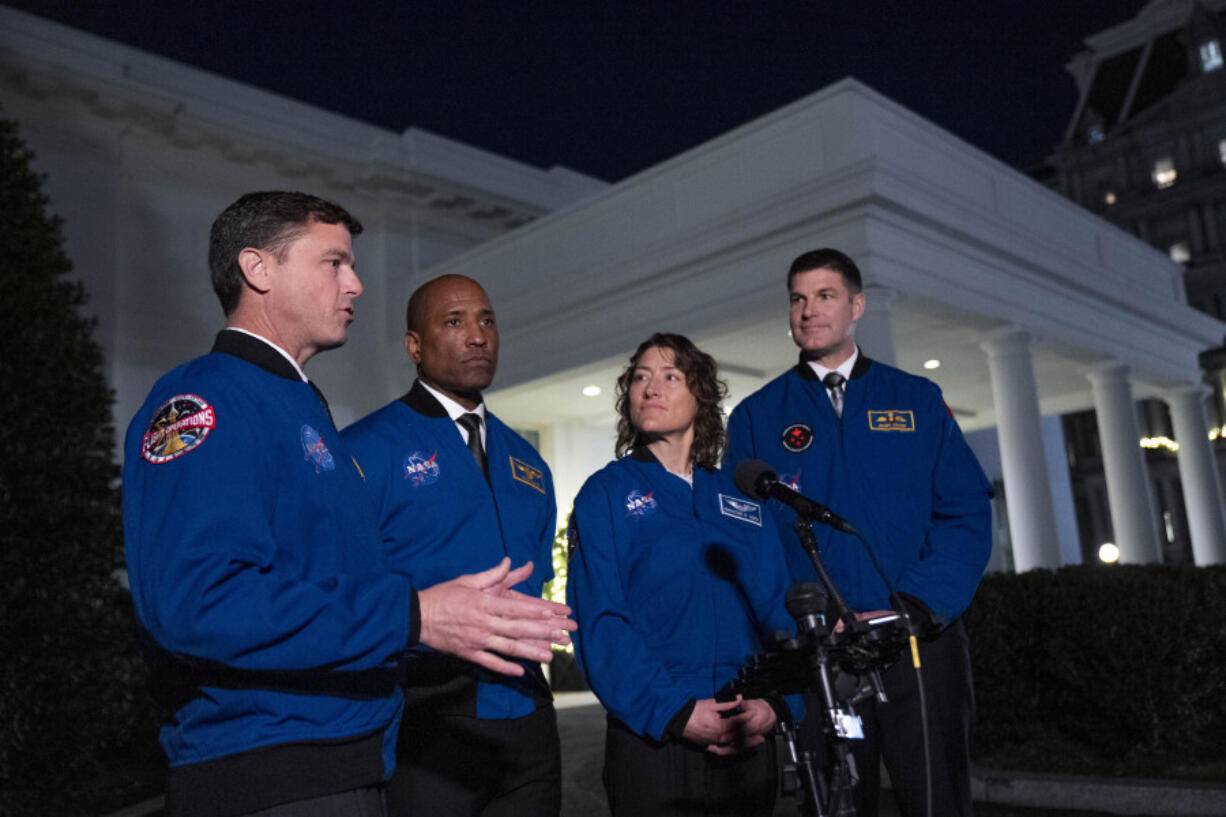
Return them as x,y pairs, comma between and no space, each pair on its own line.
701,377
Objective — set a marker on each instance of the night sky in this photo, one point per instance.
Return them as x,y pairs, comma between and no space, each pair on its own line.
612,88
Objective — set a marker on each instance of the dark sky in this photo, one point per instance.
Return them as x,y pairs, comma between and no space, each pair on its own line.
610,88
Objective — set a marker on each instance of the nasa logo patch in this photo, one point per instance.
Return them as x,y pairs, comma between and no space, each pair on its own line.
791,480
315,450
640,504
179,425
797,437
420,469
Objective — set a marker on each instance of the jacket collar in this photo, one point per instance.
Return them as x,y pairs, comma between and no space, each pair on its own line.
805,372
423,402
256,352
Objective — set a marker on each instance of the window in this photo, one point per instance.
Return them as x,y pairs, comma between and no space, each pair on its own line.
1180,253
1210,56
1221,151
1164,172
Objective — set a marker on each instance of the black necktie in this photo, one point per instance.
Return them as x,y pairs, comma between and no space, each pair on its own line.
834,383
472,424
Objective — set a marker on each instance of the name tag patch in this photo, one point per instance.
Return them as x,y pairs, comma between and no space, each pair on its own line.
742,509
529,475
892,420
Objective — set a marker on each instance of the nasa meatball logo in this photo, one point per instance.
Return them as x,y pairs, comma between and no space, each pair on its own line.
315,450
178,426
797,437
639,504
421,469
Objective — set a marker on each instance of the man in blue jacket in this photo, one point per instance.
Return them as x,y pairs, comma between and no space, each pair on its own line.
455,487
881,449
262,591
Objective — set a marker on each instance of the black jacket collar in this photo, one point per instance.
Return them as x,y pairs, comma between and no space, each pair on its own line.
423,402
255,351
641,453
805,372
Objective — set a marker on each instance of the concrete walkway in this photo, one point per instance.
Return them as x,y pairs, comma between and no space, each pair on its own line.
581,723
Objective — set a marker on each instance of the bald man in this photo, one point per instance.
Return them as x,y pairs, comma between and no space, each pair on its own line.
455,488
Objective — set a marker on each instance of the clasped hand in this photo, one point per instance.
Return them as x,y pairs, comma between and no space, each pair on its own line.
737,732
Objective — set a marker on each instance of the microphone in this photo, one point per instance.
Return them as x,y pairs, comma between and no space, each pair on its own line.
806,602
756,479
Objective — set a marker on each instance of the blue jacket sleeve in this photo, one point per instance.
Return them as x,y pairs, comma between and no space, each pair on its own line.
959,539
210,579
629,680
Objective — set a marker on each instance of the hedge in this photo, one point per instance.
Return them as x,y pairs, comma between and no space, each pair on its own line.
1118,669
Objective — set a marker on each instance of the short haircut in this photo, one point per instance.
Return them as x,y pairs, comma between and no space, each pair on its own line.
271,221
827,258
701,377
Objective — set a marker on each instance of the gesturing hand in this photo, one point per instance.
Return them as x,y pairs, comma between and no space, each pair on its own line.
479,618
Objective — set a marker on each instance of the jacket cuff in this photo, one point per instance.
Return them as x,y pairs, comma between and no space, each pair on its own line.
676,724
927,623
414,618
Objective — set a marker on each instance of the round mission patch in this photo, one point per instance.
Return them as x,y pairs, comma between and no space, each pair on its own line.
179,425
797,437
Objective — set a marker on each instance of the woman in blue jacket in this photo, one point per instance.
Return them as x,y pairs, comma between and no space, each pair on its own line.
675,578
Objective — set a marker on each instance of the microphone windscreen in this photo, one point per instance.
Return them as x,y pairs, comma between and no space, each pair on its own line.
748,478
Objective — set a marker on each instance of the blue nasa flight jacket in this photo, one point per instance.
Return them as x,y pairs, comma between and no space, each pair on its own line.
440,519
895,465
259,583
672,587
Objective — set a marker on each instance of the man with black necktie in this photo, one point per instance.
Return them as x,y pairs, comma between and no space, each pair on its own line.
272,622
453,487
881,449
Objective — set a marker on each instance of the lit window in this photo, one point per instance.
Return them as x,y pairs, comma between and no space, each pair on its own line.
1221,151
1164,172
1180,253
1109,197
1210,56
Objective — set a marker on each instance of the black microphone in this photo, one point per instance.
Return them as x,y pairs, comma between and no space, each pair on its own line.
806,602
756,479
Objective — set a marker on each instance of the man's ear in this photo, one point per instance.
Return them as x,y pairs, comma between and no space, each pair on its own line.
256,268
412,345
858,302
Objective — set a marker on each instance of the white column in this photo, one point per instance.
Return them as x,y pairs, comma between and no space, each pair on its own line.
1202,489
1132,505
875,329
1015,399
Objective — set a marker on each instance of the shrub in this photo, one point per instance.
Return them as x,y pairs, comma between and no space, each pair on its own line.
1122,669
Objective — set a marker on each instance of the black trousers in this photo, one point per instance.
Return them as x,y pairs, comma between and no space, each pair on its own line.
461,766
645,777
894,733
365,802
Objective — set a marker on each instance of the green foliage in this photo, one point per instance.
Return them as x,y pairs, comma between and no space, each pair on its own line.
1118,670
70,700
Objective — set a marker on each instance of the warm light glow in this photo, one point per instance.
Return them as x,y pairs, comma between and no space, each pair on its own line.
1164,172
932,364
1109,553
1160,442
1214,433
591,391
1109,198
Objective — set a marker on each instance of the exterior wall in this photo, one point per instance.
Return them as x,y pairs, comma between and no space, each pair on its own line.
141,154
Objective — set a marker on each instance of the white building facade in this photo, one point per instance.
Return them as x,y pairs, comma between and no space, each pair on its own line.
1033,306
